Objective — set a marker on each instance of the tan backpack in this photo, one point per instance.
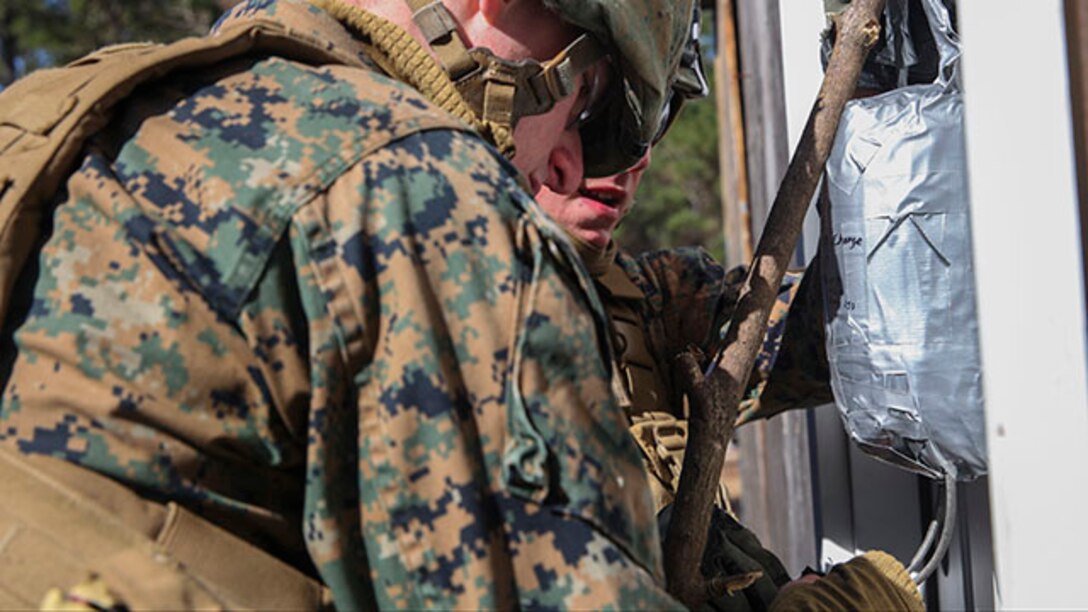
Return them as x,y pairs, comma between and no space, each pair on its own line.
46,117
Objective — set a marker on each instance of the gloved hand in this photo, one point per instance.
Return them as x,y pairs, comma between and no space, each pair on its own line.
873,581
732,550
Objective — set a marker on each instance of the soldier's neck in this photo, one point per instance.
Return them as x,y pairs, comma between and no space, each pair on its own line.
596,259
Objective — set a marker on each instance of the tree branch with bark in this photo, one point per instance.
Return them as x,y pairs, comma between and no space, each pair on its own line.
714,398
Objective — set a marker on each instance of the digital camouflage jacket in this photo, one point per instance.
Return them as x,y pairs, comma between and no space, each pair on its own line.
680,297
309,306
683,297
660,303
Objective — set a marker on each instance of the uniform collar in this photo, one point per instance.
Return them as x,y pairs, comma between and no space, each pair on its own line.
301,17
606,270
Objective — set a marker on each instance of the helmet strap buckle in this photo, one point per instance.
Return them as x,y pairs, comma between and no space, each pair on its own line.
499,90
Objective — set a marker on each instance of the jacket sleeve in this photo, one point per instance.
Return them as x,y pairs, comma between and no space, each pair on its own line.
793,362
464,447
690,297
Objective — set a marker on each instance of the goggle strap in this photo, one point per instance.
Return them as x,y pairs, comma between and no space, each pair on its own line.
440,29
558,75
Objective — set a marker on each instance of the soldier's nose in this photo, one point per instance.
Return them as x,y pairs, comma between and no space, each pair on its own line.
565,169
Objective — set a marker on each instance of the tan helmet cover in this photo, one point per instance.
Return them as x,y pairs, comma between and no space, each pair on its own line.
690,82
646,39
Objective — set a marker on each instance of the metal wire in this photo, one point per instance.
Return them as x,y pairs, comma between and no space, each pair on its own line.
948,521
927,543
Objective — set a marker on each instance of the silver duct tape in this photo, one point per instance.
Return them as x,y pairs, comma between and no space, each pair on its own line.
902,333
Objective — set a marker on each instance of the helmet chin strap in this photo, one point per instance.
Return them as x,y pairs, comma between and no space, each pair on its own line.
500,90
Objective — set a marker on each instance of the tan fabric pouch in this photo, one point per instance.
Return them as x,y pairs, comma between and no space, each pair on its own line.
53,536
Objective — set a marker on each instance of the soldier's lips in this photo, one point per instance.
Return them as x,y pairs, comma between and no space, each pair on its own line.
611,198
597,213
608,197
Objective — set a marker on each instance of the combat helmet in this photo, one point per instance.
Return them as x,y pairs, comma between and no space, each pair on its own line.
690,81
644,39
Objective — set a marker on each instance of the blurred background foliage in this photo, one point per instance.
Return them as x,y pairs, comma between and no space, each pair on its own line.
678,203
37,33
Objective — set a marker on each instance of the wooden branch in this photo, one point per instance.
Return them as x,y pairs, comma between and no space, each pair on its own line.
714,399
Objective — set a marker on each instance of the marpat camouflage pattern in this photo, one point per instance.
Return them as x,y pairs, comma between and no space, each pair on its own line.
689,296
306,304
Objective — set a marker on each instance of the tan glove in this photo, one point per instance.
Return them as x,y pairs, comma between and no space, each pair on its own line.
873,581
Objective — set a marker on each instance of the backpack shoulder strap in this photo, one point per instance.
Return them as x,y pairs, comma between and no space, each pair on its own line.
46,117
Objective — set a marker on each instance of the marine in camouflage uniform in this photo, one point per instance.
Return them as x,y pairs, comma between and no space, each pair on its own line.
304,305
661,303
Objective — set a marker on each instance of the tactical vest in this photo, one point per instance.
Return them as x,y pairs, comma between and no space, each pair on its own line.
638,381
65,548
56,533
46,117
